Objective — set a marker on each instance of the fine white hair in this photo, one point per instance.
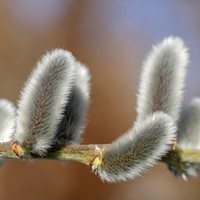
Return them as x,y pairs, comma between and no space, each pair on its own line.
188,138
73,122
45,94
138,149
7,120
189,127
162,79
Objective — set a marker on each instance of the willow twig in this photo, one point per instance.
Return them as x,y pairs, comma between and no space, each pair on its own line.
87,153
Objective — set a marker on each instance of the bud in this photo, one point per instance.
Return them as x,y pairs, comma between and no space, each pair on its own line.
7,120
137,150
43,99
162,80
73,122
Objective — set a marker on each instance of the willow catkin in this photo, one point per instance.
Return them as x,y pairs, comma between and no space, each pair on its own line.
137,150
7,120
43,99
162,79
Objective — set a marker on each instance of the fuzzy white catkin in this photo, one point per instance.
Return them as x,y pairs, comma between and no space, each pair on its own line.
139,149
162,79
73,122
42,101
189,127
188,138
7,120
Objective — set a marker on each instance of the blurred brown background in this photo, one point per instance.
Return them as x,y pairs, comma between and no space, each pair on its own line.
112,38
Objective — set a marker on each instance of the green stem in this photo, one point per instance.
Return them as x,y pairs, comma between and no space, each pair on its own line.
192,156
86,154
81,153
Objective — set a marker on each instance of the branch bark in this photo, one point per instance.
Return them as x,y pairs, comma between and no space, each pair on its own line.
86,154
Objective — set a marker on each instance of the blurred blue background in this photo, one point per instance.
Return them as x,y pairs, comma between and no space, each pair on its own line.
112,38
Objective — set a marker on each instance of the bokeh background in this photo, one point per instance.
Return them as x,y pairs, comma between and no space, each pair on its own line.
112,38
